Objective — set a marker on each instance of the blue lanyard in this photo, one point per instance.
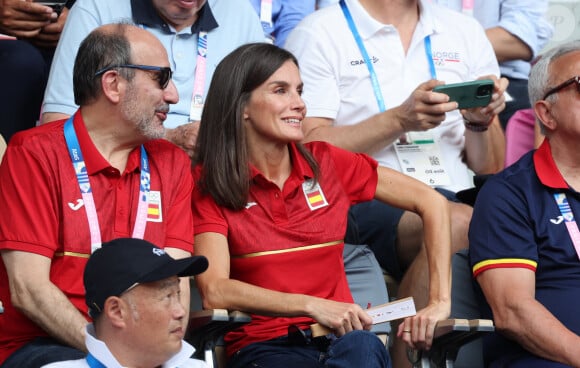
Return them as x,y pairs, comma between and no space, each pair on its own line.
80,169
365,55
93,362
568,215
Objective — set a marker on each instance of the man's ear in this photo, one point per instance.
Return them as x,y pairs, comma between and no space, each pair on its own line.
116,311
543,110
112,84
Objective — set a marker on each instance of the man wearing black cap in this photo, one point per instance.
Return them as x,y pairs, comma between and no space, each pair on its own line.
132,291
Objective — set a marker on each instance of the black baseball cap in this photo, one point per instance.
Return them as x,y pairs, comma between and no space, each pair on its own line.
121,263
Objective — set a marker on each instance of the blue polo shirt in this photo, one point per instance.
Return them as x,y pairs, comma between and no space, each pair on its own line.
516,223
227,29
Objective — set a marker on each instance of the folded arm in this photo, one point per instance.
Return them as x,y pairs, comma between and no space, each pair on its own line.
510,293
423,110
33,294
219,291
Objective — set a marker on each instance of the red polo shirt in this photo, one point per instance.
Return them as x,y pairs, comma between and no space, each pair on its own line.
291,240
42,213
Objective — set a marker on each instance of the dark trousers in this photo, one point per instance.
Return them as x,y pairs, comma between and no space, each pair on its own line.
24,72
41,351
355,349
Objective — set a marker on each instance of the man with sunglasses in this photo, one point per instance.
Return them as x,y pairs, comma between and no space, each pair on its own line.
524,239
70,185
197,34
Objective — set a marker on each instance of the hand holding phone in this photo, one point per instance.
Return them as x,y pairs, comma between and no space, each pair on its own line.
476,93
56,5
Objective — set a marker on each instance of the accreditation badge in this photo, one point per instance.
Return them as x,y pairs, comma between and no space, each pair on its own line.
154,213
420,157
315,198
196,108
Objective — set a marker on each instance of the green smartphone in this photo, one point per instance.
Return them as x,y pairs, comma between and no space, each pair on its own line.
476,93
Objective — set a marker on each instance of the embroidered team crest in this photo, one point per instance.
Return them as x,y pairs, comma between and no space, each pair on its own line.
154,213
314,195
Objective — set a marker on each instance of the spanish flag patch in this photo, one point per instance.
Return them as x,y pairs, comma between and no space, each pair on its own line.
314,196
154,213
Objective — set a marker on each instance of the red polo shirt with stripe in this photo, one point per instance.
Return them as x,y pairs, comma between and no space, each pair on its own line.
41,212
291,240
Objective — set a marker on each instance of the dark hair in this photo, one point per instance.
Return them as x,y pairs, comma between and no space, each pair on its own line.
100,49
221,144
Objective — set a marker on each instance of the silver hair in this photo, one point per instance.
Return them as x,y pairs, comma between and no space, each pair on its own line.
540,80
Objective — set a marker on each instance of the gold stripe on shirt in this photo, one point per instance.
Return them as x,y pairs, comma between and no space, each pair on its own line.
298,249
71,254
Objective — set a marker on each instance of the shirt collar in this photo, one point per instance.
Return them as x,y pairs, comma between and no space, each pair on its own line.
100,351
368,26
546,168
94,161
428,23
300,167
364,22
145,13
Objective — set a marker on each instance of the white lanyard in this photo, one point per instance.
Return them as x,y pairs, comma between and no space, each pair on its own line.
266,13
466,6
86,192
200,75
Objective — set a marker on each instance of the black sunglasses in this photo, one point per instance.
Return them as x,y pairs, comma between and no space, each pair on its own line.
162,73
563,85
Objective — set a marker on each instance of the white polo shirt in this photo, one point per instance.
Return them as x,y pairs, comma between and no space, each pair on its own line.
337,84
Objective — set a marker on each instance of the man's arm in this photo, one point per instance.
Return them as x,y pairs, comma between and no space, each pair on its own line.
507,46
423,110
485,151
510,293
39,299
522,30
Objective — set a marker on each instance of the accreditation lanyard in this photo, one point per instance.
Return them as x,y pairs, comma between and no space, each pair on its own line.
200,76
568,215
466,6
80,169
368,62
93,362
266,13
